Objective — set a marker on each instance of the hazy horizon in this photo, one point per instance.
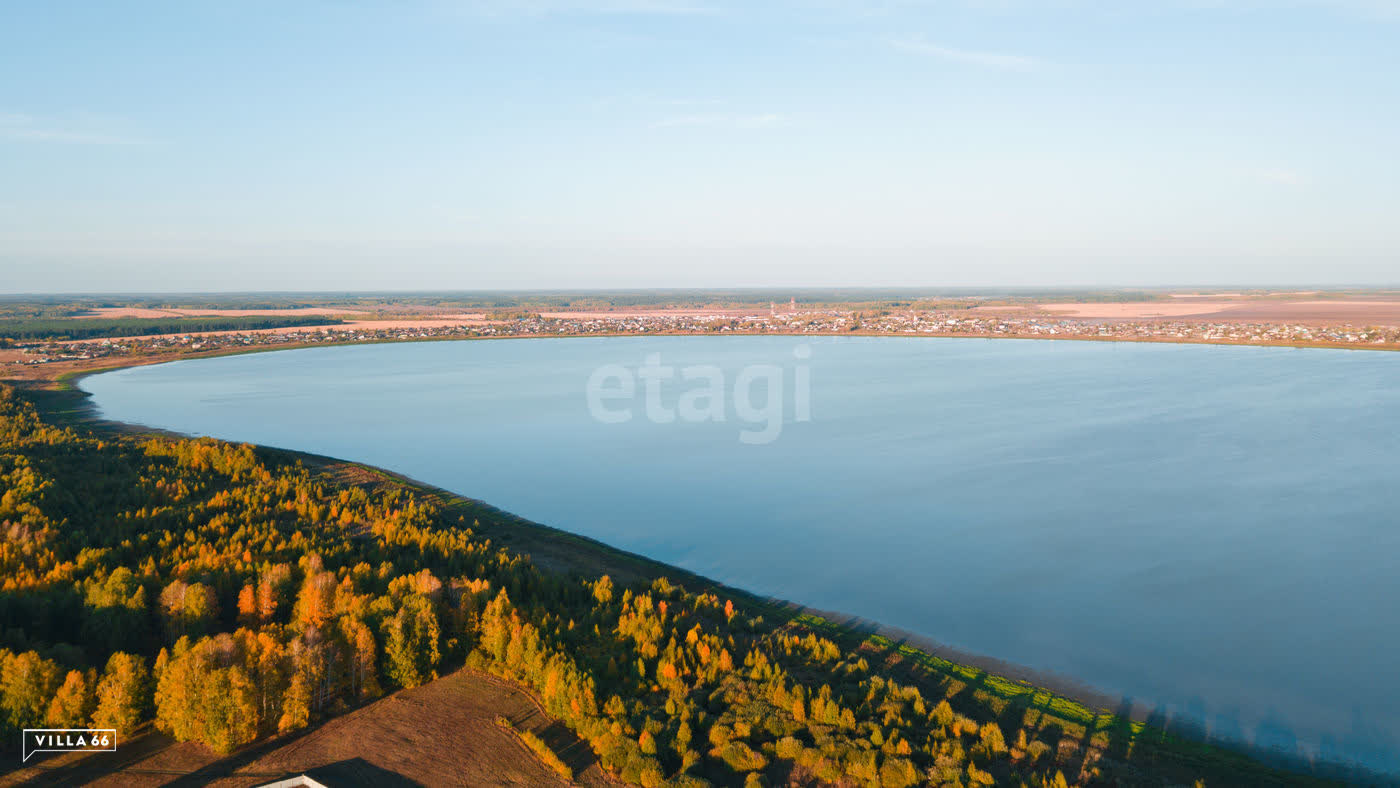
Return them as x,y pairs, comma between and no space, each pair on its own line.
604,144
796,291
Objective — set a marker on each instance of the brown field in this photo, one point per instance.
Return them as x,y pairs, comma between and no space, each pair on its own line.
1138,310
443,733
1242,295
1206,295
1355,311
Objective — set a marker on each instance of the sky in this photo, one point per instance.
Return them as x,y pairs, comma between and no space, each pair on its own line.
481,144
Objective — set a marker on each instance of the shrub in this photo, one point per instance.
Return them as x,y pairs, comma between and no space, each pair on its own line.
741,757
898,773
993,743
788,748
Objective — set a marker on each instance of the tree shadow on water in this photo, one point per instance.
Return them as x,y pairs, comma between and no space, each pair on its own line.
1120,733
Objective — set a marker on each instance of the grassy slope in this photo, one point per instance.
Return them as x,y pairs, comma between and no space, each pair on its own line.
383,743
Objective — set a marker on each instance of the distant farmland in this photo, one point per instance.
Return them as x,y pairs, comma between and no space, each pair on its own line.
22,329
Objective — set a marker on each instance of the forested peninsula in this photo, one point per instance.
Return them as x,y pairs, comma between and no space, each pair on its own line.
226,594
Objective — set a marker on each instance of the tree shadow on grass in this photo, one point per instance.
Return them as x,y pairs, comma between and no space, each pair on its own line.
225,767
129,752
563,742
573,751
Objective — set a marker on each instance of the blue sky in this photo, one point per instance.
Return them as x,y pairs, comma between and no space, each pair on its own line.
248,145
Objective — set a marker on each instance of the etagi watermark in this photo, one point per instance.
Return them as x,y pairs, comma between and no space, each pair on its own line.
612,392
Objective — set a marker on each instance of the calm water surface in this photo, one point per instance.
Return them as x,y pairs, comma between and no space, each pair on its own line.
1210,531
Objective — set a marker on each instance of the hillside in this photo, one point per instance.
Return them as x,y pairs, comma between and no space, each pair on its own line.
442,733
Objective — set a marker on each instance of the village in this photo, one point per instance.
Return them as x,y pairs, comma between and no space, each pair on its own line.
955,323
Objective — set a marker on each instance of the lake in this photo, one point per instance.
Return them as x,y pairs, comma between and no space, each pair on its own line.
1209,531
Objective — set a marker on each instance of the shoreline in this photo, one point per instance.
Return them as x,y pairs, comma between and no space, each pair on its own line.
71,375
69,403
67,379
344,328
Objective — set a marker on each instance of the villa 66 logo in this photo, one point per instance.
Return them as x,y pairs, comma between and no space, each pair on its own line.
67,740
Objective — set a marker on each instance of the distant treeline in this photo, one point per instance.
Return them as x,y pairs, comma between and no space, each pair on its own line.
854,296
68,305
76,328
40,306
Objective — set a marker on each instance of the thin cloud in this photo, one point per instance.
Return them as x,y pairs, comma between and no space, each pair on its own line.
587,7
720,120
1370,8
692,102
649,103
1280,176
27,128
974,57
